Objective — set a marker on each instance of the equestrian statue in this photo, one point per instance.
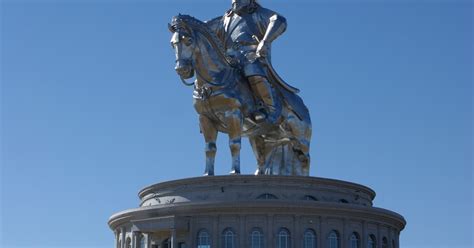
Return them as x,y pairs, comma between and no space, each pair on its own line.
238,92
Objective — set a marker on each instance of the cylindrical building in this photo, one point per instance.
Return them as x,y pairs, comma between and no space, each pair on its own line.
256,212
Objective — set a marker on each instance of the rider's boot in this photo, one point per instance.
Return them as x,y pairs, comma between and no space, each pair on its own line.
264,93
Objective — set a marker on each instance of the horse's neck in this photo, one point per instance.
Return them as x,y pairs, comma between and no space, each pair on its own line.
208,64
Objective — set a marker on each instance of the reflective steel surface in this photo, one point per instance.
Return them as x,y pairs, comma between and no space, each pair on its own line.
237,91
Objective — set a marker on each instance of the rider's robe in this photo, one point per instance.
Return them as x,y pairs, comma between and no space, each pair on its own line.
241,33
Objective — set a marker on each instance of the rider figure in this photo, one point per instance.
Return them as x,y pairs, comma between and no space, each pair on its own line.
247,31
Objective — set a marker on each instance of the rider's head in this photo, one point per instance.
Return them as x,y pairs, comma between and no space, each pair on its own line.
238,5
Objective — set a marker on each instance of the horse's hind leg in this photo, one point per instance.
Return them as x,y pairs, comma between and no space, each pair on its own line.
258,147
302,151
210,136
301,132
234,124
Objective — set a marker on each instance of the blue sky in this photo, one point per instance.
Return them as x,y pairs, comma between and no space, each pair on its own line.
92,110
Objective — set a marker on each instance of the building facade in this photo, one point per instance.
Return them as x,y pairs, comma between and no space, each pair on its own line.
256,212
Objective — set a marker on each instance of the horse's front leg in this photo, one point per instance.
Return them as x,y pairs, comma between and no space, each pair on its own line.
210,135
234,123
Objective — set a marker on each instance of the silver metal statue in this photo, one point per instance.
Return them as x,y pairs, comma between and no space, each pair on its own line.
238,92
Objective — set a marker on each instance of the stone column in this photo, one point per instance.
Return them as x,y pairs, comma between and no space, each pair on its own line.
395,237
117,237
320,238
344,234
191,242
242,235
296,236
390,230
135,240
269,242
364,237
173,238
123,233
148,240
215,231
379,237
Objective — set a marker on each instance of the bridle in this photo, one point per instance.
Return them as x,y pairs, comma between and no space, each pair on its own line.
190,62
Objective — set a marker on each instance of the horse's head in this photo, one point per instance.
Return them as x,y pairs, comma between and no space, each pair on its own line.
183,43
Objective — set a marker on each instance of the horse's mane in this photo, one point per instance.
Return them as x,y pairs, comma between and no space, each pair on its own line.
201,27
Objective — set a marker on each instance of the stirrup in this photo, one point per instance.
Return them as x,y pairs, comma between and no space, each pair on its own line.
260,115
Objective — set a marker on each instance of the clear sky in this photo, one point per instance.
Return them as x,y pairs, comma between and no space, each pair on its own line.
92,110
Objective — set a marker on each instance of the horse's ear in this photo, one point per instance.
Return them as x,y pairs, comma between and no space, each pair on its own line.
171,28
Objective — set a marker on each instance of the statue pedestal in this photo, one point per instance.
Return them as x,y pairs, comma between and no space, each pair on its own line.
244,209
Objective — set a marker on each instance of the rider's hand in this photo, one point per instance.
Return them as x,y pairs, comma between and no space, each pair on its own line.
262,49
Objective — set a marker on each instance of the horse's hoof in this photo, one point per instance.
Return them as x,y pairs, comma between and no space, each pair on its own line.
208,174
235,172
259,173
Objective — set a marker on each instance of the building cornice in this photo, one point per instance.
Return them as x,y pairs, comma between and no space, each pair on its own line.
257,207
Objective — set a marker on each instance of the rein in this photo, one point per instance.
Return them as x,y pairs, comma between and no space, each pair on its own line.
186,83
197,25
198,74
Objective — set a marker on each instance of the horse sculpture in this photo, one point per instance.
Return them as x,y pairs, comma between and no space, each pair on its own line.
224,102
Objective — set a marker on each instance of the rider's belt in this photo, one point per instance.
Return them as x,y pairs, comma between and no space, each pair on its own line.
241,53
238,45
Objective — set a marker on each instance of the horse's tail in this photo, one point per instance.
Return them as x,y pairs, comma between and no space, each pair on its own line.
292,157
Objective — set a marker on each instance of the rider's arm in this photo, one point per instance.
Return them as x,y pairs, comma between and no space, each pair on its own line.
276,26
